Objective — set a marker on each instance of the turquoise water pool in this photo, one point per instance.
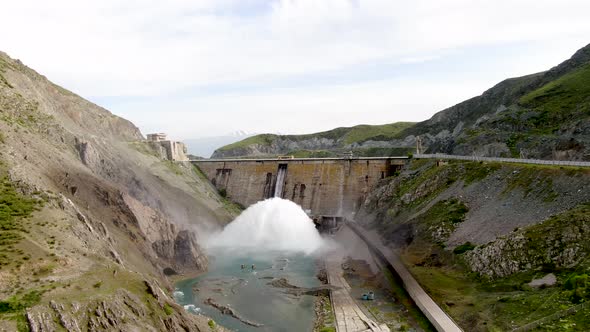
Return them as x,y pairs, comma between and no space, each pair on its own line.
248,292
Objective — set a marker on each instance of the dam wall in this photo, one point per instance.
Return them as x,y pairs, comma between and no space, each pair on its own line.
322,186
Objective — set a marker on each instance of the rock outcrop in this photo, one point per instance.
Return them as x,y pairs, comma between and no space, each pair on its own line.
123,311
558,243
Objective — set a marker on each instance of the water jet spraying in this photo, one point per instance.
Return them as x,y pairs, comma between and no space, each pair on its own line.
272,224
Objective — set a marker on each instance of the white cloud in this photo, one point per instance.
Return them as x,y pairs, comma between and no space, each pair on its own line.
146,48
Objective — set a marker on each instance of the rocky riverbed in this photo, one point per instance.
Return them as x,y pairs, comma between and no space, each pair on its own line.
272,296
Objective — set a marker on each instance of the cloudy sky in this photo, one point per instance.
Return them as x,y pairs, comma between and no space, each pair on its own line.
196,68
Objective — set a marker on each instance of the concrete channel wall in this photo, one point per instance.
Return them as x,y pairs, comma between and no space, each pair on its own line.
505,160
437,317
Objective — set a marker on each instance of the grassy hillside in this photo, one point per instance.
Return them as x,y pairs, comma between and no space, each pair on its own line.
262,139
544,116
551,121
340,137
563,100
476,234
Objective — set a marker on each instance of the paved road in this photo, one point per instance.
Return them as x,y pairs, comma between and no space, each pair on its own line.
349,316
441,321
506,160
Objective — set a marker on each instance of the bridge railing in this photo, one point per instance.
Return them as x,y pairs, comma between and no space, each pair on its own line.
505,160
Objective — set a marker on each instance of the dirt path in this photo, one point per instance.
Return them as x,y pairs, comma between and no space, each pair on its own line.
349,316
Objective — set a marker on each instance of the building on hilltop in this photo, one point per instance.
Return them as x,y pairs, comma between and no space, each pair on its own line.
167,149
156,137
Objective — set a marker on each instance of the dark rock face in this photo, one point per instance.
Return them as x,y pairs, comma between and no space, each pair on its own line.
187,253
183,254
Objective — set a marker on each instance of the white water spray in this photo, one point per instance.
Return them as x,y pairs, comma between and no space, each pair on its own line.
272,224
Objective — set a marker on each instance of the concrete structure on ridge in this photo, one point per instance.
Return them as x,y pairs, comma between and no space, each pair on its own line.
167,149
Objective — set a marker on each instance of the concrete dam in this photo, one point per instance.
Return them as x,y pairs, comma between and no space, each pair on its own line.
322,186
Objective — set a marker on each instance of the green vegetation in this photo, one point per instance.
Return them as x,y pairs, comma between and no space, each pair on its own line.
451,211
3,66
232,207
362,133
344,135
263,139
311,154
24,113
542,112
441,220
419,163
174,167
325,314
501,304
168,309
383,152
402,295
533,179
478,171
14,308
560,99
223,192
460,249
144,147
211,324
511,143
551,233
14,207
532,118
578,288
19,303
2,139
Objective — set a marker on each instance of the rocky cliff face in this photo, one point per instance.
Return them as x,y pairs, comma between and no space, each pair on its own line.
557,243
106,215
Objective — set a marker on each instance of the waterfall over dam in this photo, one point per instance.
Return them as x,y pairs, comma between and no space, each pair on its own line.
281,173
322,186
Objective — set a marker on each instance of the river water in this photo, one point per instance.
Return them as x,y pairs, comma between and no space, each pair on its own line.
248,292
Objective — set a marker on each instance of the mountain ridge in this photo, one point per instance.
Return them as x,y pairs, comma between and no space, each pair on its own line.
481,125
330,142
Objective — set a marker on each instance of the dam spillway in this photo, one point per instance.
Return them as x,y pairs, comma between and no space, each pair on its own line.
280,182
321,186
